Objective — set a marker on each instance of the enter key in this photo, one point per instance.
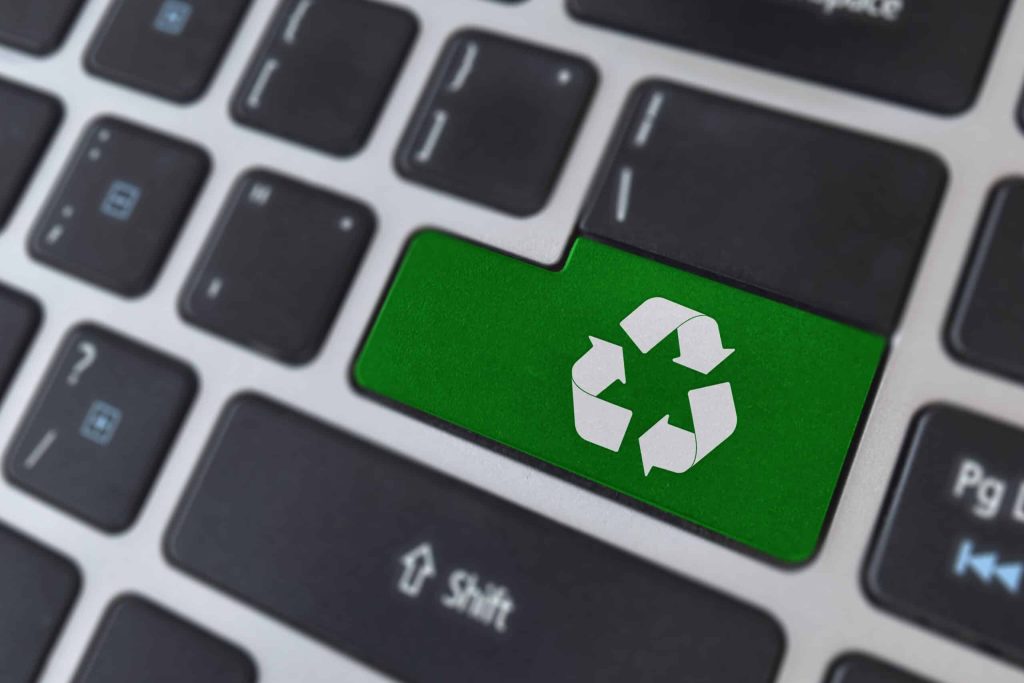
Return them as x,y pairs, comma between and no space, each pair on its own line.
717,406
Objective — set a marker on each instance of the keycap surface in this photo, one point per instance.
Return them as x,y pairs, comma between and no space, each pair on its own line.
948,552
37,26
830,220
541,361
926,54
100,426
278,265
170,48
120,205
861,669
429,580
362,45
37,587
497,121
27,122
987,327
19,318
139,641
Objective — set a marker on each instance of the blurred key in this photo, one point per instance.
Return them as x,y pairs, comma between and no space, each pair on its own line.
139,641
37,26
861,669
362,45
119,206
19,317
929,54
37,587
27,122
987,327
814,215
497,121
170,48
278,265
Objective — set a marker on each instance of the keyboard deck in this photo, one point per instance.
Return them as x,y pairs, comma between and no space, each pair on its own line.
193,278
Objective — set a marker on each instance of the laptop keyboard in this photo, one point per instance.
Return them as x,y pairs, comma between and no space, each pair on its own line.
476,340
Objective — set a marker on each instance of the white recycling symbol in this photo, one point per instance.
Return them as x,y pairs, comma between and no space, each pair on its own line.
662,446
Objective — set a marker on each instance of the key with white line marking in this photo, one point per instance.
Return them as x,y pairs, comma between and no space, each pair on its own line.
100,427
497,121
362,45
278,265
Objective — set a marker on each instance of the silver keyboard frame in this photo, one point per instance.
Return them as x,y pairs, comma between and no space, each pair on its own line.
821,606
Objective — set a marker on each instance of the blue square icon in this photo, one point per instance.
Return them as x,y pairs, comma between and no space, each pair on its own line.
120,200
172,17
101,423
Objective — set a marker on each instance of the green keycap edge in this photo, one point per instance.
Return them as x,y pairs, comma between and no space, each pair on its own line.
488,343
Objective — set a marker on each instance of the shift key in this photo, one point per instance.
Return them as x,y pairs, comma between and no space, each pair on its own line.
427,579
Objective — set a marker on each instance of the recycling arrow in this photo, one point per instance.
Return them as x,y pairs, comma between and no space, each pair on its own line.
663,446
599,422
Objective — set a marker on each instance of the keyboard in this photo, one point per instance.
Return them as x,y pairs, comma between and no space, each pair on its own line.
498,340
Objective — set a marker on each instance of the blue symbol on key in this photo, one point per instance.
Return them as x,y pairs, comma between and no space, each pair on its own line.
101,423
121,199
988,567
172,17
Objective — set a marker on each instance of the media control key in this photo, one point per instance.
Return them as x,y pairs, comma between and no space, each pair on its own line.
167,47
100,427
956,517
120,205
428,579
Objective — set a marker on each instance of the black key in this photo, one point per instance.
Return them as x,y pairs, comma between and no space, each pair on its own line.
170,48
37,588
123,200
861,669
27,122
19,318
139,641
100,427
987,328
905,50
430,580
362,45
830,220
278,266
949,552
497,121
38,26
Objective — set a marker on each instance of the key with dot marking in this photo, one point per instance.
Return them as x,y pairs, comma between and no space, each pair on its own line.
278,265
120,205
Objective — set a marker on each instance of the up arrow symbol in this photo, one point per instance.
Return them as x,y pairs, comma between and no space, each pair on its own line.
417,567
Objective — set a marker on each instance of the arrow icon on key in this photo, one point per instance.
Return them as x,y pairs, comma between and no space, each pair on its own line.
986,567
417,567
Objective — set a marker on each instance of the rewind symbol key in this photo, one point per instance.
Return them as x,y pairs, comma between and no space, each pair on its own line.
986,566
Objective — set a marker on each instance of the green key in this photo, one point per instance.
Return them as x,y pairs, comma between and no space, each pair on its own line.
726,409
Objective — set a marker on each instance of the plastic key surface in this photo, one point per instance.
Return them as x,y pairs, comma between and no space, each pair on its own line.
170,48
123,199
861,669
926,54
430,580
955,516
139,641
100,426
19,317
37,587
827,219
37,26
711,404
27,122
362,45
